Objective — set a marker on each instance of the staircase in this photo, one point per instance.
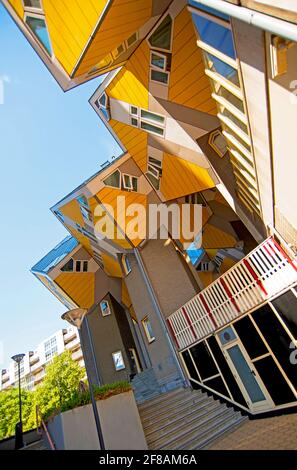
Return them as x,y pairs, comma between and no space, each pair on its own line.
186,419
37,445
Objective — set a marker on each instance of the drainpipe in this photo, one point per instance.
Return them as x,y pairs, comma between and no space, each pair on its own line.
159,313
268,23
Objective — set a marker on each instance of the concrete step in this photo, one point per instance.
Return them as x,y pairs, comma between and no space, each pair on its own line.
204,439
180,420
228,426
175,438
166,405
161,399
167,415
38,445
205,431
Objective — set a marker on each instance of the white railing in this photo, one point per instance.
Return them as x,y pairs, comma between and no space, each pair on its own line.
263,273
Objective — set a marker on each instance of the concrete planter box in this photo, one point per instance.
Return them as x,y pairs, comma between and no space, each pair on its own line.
122,429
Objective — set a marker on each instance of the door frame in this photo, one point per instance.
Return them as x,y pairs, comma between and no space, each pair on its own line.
262,405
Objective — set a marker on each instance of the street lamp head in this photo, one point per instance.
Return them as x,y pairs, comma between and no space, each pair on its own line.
75,317
18,358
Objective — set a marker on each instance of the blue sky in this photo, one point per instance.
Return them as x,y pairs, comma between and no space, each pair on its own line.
50,142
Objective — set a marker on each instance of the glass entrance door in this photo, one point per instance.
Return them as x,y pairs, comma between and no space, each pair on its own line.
247,378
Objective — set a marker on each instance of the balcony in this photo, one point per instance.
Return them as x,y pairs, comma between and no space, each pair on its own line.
34,358
37,378
37,366
72,344
69,336
263,273
77,355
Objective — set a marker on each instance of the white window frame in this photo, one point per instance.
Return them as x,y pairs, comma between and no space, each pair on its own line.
130,45
155,28
115,54
33,9
149,338
108,310
211,141
127,269
114,354
40,16
155,67
141,119
130,177
120,179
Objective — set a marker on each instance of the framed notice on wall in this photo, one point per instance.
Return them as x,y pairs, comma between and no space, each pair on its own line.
118,360
105,308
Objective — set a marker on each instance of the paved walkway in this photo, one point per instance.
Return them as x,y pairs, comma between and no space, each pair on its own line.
278,433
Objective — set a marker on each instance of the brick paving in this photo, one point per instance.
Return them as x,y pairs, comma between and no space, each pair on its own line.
277,433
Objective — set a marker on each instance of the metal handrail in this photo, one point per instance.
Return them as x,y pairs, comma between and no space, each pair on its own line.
44,427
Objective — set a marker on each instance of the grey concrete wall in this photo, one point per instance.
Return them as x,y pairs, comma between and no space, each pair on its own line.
170,276
108,336
121,426
159,351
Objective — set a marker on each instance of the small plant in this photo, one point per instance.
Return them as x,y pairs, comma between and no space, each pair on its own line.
109,390
82,397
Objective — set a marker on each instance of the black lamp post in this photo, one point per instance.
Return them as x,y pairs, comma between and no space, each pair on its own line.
19,442
75,318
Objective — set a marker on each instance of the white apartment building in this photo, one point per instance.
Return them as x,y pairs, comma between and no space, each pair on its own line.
33,366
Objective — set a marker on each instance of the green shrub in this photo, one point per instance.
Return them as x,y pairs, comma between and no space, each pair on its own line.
83,398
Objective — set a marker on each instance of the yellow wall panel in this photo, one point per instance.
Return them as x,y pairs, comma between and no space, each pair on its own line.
134,140
213,237
79,286
18,7
109,196
125,295
189,85
121,242
70,25
123,19
111,266
72,210
84,241
131,83
206,278
180,177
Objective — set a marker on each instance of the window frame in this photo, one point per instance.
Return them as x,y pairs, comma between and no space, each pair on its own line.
139,119
38,14
211,142
108,308
155,28
120,179
144,322
130,178
163,56
28,8
126,264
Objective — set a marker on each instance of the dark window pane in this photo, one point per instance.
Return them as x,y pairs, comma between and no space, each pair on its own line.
218,385
161,37
159,76
78,266
286,305
204,361
68,267
190,366
38,26
226,372
85,267
274,381
250,338
278,340
215,35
